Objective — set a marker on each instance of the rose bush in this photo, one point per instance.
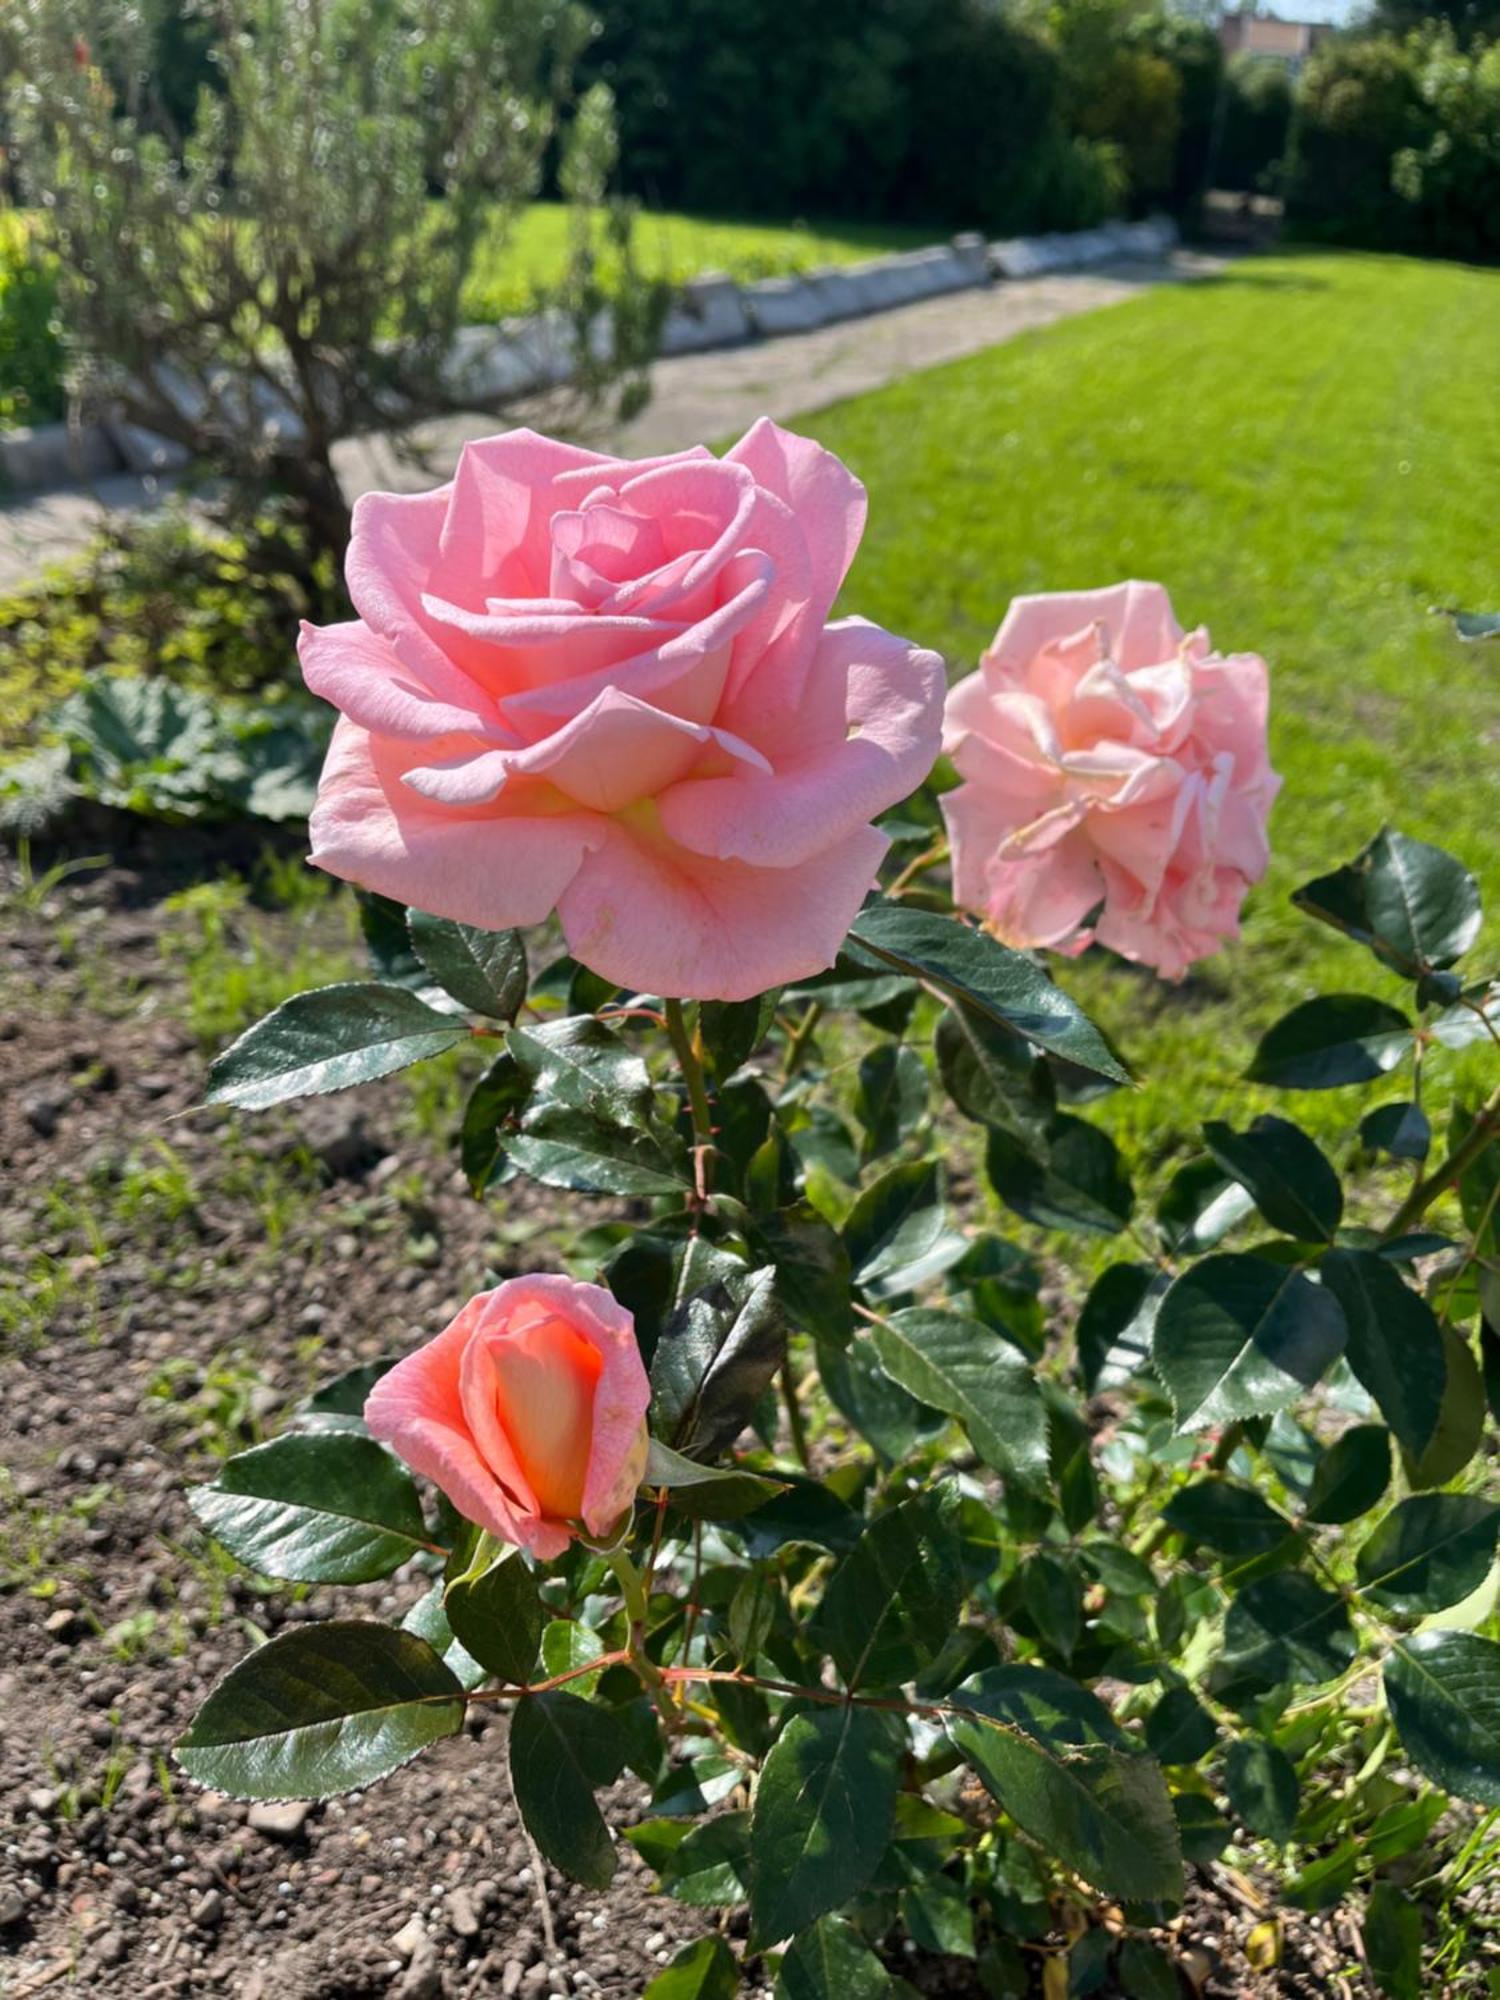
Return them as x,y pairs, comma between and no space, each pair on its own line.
932,1612
609,687
1116,782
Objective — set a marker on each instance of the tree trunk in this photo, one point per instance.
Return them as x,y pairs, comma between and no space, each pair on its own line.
318,504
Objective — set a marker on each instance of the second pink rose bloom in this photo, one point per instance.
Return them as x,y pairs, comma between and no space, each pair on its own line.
1116,784
609,687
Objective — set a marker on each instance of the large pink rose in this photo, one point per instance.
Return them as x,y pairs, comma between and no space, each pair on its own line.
607,687
1116,780
528,1411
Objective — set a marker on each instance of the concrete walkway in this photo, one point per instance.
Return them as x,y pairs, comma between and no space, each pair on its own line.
697,397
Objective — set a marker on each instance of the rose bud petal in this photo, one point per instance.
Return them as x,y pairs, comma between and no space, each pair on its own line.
1116,781
528,1411
608,687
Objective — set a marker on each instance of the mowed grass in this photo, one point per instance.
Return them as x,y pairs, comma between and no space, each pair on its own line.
1306,451
511,264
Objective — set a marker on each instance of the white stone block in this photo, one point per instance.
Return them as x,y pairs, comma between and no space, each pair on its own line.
709,313
782,305
837,294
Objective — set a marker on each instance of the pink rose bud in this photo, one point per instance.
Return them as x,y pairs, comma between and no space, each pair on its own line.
1116,782
608,687
529,1411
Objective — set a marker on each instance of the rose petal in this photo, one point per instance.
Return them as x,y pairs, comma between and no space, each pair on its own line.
478,868
653,917
819,792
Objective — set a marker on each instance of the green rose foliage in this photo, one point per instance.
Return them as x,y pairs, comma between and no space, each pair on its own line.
949,1592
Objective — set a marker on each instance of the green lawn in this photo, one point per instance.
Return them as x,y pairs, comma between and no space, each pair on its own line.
510,265
1306,451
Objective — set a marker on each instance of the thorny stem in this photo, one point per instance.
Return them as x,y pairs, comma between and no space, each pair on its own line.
929,859
801,1036
688,1049
1443,1176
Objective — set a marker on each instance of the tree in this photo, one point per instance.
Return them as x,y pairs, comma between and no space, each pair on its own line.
288,271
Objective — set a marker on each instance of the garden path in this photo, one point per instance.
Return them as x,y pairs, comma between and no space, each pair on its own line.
696,396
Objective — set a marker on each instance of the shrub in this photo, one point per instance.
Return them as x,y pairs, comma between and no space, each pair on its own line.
941,111
1257,119
204,608
284,276
1395,145
31,348
935,1611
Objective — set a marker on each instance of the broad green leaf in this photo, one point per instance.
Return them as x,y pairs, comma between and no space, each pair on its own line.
1103,1812
1412,904
1460,1424
653,1275
1395,1343
567,1644
970,966
807,1513
822,1815
1444,1695
339,1403
429,1621
315,1507
1338,1039
992,1075
893,1599
322,1709
564,1148
1260,1782
890,1096
752,1612
831,1961
1180,1730
496,1613
716,1353
710,1868
493,1103
328,1039
1145,1972
939,1916
1236,1336
812,1269
583,1065
484,971
388,941
1040,1703
1402,1130
1431,1551
959,1366
708,1492
1199,1208
695,1787
1071,1178
1351,1475
1286,1628
1285,1174
733,1030
896,1222
562,1750
1201,1827
882,1412
1052,1598
1113,1336
1232,1520
703,1970
1392,1934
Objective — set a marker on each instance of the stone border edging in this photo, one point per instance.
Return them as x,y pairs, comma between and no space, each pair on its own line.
711,311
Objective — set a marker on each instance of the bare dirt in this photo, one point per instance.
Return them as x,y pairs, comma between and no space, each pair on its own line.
171,1280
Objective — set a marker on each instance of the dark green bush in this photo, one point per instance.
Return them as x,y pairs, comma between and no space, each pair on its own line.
943,111
1396,145
31,351
1257,119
